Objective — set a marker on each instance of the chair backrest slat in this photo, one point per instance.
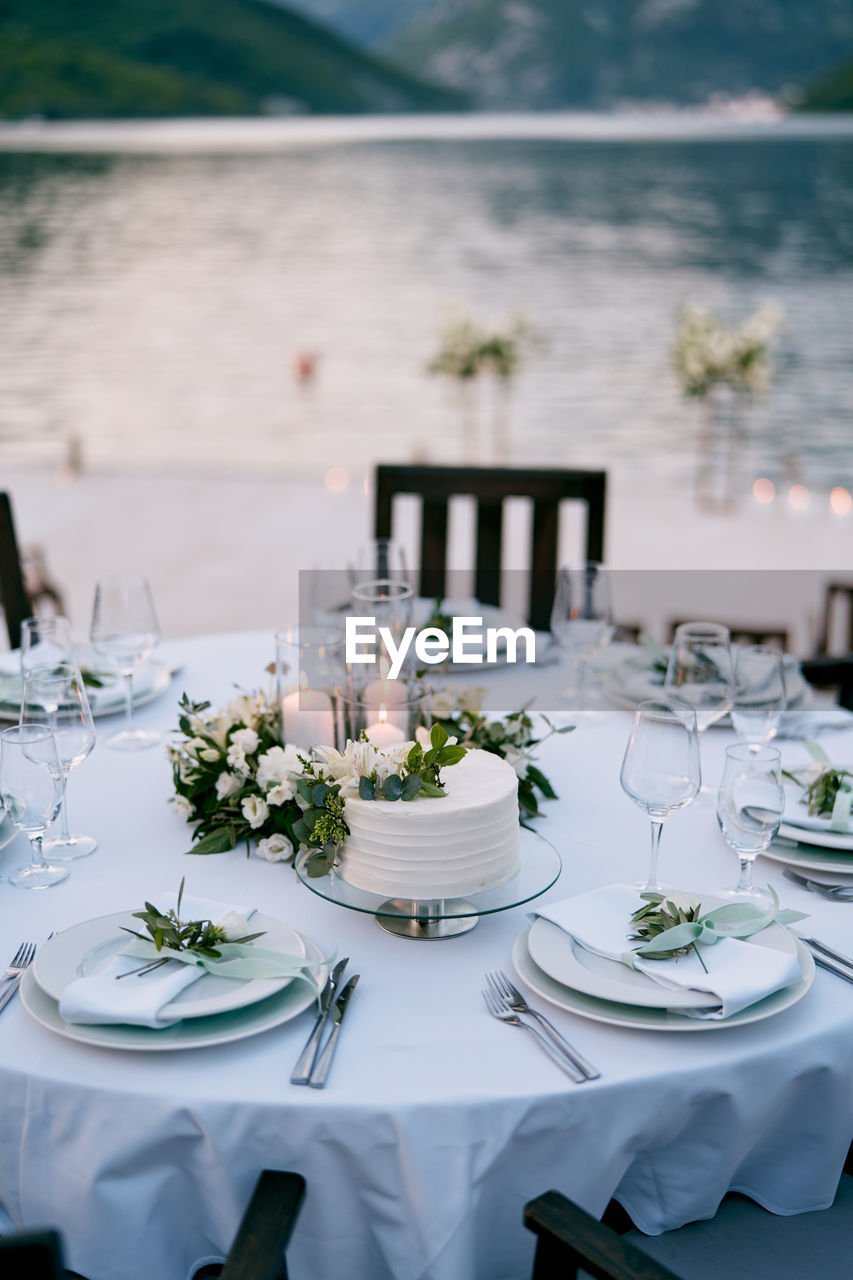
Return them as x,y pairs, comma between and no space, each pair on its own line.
491,486
13,591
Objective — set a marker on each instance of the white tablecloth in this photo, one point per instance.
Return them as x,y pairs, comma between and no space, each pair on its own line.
438,1122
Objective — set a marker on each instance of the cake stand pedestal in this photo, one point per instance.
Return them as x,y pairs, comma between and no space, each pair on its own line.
431,919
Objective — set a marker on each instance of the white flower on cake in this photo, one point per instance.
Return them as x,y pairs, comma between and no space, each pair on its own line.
255,811
246,740
276,848
227,784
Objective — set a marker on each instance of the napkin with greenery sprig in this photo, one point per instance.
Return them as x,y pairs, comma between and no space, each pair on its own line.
212,939
736,973
827,791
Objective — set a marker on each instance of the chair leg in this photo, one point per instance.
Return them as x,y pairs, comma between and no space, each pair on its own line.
258,1250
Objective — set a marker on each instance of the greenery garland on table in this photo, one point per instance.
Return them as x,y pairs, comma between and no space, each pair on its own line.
235,782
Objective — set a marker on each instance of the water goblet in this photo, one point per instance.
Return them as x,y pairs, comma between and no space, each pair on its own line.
750,803
31,788
125,630
582,618
699,674
759,692
56,697
660,770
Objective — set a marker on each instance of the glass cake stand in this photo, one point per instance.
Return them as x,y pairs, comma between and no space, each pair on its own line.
435,918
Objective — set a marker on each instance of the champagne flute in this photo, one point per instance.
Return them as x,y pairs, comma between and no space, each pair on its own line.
582,618
31,788
759,692
125,630
750,803
56,697
699,673
660,771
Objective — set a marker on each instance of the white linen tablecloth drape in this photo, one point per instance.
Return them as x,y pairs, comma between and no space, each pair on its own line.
438,1122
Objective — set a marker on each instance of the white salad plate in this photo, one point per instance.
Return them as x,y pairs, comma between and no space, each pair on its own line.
197,1033
641,1017
87,948
813,850
150,680
570,964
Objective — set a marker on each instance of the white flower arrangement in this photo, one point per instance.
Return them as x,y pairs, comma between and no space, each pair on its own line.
707,354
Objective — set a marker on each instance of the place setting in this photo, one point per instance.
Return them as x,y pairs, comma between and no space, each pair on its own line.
815,834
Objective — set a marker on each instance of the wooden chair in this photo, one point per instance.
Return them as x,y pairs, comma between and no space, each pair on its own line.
742,1239
256,1254
13,591
838,600
747,634
491,486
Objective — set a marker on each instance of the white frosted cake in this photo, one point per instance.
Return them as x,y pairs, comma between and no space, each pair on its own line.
463,843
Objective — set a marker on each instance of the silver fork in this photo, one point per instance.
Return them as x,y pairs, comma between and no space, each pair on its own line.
500,1009
504,990
835,892
22,957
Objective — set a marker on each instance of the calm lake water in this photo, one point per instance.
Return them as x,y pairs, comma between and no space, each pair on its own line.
154,303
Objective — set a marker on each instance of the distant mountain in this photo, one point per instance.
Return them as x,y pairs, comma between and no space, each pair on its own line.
833,92
557,53
113,58
367,23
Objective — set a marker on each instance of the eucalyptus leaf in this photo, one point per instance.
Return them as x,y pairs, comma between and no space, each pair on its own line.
366,788
392,787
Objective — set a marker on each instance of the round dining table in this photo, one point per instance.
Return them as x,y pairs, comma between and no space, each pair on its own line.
438,1122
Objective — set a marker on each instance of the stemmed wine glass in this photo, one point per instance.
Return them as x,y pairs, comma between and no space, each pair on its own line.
31,787
56,697
45,641
582,618
125,630
750,803
759,692
660,771
699,673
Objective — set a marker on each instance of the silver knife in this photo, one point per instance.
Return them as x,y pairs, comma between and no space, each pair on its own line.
838,956
303,1068
339,1008
824,962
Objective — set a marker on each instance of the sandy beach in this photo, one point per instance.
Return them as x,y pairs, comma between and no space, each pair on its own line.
224,553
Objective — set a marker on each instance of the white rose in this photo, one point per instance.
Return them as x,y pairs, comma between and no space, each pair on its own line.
181,806
275,766
275,848
255,811
281,793
227,784
246,740
517,759
237,760
234,925
442,703
471,699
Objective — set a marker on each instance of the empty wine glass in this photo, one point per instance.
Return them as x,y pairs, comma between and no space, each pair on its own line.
56,697
759,692
582,618
660,771
699,674
125,630
31,788
45,641
750,802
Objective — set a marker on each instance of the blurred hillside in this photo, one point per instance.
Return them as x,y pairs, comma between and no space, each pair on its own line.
135,58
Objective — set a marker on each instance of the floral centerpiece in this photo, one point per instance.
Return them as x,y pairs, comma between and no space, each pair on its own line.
707,354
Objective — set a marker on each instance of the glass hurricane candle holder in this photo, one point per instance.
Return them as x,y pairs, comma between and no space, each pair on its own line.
387,711
309,667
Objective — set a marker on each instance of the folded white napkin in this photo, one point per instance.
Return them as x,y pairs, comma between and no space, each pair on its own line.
140,999
739,973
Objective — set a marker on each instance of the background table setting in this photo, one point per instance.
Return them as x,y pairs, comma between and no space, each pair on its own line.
437,1122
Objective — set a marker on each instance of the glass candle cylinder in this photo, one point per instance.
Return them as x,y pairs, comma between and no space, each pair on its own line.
309,667
387,711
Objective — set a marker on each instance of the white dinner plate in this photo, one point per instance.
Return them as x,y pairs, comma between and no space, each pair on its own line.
195,1033
149,682
87,948
570,964
647,1019
815,854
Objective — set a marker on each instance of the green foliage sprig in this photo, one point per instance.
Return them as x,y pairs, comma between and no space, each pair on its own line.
168,930
659,914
